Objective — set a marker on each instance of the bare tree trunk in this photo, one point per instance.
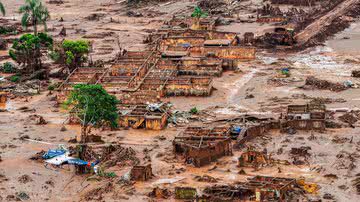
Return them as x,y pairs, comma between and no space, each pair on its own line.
85,130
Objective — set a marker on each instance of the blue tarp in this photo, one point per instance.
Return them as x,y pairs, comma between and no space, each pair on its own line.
236,129
53,153
78,162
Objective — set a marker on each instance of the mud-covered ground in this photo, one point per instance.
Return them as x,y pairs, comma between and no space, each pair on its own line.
329,155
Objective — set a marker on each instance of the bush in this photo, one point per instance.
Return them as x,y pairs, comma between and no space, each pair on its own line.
194,110
8,67
15,79
71,53
55,56
51,87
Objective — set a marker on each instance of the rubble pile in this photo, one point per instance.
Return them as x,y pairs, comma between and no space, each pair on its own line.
205,178
350,118
356,183
355,73
300,155
160,193
111,155
345,161
37,119
313,82
212,6
97,193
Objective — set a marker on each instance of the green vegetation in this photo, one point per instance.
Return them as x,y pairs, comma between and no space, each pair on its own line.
93,106
8,30
199,13
72,53
8,67
15,78
26,50
2,9
194,110
34,13
53,86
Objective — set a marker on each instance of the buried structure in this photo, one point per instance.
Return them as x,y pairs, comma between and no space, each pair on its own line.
200,146
178,62
259,188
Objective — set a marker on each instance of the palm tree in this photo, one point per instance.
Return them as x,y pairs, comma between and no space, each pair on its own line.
196,15
2,8
34,12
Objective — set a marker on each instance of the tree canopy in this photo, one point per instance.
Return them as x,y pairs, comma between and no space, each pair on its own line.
26,50
34,13
198,13
72,53
93,106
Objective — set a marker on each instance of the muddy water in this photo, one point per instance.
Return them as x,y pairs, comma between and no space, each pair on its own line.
344,46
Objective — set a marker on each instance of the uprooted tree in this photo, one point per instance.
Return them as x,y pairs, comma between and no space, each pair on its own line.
28,50
93,107
72,54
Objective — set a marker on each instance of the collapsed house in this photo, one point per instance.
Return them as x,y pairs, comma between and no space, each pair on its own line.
200,146
253,158
305,117
141,172
143,116
256,159
259,188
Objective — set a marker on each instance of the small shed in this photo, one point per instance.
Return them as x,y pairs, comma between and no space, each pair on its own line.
141,172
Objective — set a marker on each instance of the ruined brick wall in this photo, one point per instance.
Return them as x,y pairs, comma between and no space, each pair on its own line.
305,124
141,173
230,52
178,41
203,156
156,123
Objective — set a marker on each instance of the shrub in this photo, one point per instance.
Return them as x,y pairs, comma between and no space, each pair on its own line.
51,87
15,79
71,53
194,110
8,67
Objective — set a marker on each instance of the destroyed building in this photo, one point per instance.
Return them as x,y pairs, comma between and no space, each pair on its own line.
253,158
305,117
143,116
259,188
201,146
141,172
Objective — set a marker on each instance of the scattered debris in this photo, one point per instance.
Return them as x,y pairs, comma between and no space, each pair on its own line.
160,193
97,193
205,178
324,85
37,119
25,179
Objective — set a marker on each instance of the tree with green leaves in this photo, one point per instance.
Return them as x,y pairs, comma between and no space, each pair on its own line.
199,13
2,8
34,13
26,50
196,15
93,106
72,53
